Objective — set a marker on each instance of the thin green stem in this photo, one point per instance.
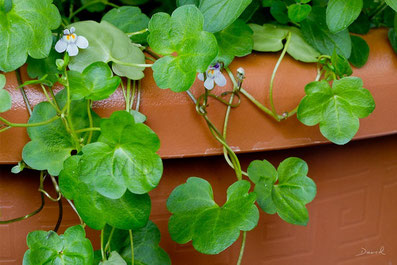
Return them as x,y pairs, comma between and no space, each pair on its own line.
258,104
133,94
6,122
240,258
102,251
152,53
150,59
109,239
131,64
132,247
128,98
22,90
273,108
379,9
91,129
91,122
75,210
90,4
5,129
137,33
138,97
49,99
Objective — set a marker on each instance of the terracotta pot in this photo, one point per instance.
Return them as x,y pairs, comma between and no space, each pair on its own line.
183,133
354,208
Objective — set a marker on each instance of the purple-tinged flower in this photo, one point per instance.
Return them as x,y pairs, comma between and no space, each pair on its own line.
214,76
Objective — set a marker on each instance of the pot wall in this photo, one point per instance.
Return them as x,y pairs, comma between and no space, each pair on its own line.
354,209
183,133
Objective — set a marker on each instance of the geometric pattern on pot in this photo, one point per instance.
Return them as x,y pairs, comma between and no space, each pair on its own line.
123,158
211,228
290,195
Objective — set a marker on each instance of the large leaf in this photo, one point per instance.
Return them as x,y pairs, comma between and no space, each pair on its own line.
52,144
291,193
341,13
26,29
96,82
269,38
219,14
49,248
5,98
235,40
181,33
108,44
337,110
123,158
316,33
146,245
197,217
129,19
131,211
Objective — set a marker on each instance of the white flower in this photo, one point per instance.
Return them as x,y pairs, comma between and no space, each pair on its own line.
71,43
214,76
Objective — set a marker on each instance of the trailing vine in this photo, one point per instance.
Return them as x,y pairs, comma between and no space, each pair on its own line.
105,167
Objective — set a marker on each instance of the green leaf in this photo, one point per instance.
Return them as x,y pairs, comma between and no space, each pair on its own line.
393,39
361,25
269,38
49,248
337,110
291,193
108,44
341,13
94,7
146,245
52,144
182,33
131,211
197,217
38,68
298,12
138,117
392,4
187,2
114,259
235,40
341,65
279,11
219,14
129,19
123,158
26,30
360,52
96,82
317,34
5,98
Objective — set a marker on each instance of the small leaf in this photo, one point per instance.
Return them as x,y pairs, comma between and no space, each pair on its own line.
393,39
181,33
108,44
197,217
269,38
341,13
52,144
219,14
279,11
38,68
317,34
123,158
298,12
290,195
138,117
26,30
235,40
48,248
5,98
129,19
96,82
341,65
131,211
360,52
114,259
337,110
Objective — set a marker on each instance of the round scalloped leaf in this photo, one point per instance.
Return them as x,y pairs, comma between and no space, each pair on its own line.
26,30
197,217
131,211
96,82
290,195
182,33
5,98
108,44
337,110
123,158
49,248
